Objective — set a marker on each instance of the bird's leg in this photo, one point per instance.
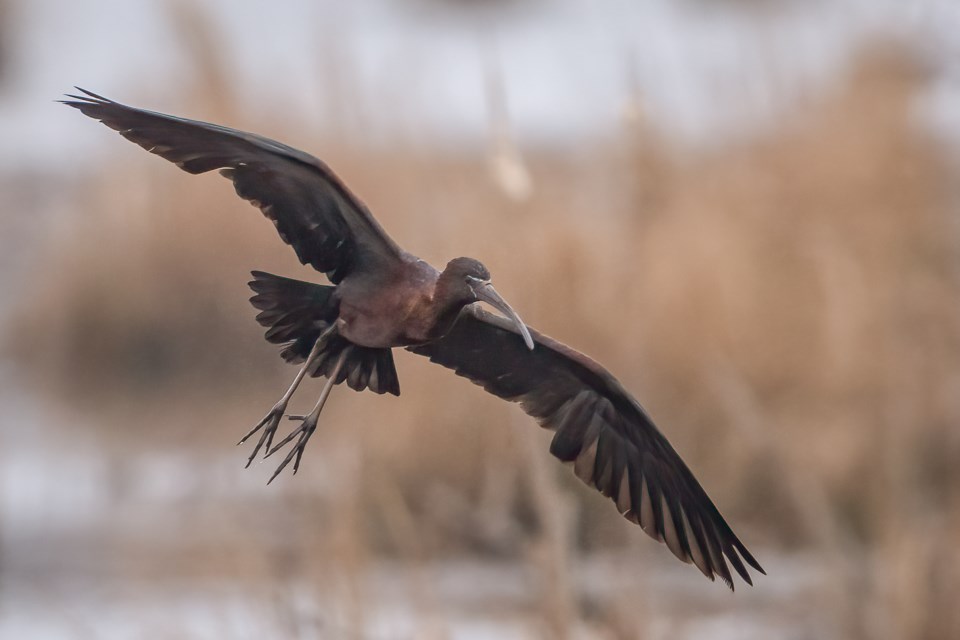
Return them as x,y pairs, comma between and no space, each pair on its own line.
270,421
309,424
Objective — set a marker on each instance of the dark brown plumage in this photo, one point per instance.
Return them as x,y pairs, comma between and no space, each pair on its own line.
385,297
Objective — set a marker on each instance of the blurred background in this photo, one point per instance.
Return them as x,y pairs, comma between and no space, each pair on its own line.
748,210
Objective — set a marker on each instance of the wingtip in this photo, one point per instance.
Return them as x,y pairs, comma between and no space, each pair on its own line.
746,555
753,563
91,94
88,97
74,101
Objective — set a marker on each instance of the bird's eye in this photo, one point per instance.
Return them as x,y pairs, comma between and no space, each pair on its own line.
473,280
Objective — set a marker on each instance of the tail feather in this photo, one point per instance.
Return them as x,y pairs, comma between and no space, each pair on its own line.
364,368
291,309
296,313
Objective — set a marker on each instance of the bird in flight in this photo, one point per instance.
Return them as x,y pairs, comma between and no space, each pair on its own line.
382,297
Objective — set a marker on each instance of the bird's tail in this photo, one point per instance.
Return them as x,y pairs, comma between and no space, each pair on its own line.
296,313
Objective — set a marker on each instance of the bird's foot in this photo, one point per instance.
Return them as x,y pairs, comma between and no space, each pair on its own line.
302,434
269,425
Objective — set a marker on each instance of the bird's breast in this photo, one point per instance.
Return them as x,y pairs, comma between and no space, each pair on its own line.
382,321
383,312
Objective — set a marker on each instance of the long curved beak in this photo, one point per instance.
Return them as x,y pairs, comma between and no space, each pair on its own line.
486,293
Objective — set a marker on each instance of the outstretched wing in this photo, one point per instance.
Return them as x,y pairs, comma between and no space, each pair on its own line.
328,227
601,429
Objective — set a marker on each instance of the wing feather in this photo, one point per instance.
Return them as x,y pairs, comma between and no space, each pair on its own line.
602,430
328,227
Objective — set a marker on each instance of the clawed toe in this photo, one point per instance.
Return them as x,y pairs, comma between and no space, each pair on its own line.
302,434
307,426
269,425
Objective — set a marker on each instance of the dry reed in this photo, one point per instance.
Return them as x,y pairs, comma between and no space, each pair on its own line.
786,308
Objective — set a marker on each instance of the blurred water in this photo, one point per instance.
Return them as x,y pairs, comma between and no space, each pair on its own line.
470,600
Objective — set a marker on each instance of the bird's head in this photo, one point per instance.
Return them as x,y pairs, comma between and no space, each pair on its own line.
469,281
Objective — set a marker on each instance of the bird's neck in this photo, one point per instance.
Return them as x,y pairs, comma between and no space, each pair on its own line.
448,300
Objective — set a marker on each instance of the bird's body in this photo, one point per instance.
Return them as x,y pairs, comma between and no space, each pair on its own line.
382,297
395,309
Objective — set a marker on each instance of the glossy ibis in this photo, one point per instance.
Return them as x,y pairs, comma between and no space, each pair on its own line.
382,297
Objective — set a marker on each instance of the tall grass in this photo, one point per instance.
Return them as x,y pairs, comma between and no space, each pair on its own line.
785,307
